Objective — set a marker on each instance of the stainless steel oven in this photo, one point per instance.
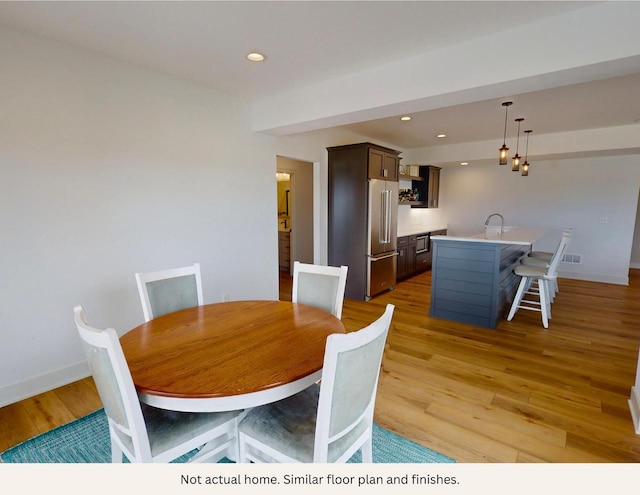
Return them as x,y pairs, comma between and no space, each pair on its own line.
422,244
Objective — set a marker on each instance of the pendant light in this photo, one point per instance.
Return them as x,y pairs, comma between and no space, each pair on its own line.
525,165
515,163
504,151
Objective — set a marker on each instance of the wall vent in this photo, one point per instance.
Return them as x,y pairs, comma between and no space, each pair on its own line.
575,259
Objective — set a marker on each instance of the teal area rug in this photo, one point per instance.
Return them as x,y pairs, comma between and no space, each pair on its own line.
86,440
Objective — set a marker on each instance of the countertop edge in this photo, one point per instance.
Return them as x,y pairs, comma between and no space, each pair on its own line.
419,230
520,236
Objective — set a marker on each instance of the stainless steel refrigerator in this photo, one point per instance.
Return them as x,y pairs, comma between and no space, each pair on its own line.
362,221
382,249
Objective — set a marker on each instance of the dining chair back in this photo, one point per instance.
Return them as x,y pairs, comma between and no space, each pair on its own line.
319,286
166,291
329,421
140,432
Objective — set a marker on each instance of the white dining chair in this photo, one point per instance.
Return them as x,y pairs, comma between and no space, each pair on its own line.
545,280
329,421
319,286
170,290
143,433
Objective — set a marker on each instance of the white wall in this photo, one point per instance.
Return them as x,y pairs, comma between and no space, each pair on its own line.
106,170
578,193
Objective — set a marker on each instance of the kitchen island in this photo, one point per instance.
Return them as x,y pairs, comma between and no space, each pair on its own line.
472,278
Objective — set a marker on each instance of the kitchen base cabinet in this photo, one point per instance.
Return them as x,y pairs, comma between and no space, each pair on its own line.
406,256
473,282
414,253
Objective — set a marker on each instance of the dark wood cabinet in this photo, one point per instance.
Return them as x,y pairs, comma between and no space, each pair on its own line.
428,186
383,163
433,187
406,256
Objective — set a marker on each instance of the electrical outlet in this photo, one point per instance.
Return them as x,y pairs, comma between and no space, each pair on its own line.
603,220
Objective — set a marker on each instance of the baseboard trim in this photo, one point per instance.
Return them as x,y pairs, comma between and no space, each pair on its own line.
591,277
634,405
43,383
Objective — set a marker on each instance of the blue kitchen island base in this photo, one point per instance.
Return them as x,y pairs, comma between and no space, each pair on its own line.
473,282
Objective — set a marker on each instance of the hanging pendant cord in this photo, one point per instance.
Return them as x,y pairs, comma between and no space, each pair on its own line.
504,139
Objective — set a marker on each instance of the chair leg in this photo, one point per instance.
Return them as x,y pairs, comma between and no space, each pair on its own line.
544,302
367,451
550,296
242,449
524,283
116,452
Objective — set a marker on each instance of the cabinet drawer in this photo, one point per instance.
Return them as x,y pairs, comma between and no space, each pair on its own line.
403,241
423,261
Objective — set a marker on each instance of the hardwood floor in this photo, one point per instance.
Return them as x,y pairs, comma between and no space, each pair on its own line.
518,393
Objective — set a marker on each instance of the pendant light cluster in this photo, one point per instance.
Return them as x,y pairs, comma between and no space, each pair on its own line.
504,151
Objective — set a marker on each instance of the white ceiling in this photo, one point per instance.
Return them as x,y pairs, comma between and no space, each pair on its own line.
307,42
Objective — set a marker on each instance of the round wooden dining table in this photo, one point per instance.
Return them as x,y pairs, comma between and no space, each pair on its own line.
228,356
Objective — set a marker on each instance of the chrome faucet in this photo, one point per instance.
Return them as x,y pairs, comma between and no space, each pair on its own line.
501,221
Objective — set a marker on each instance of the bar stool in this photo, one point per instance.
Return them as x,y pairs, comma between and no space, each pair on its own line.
545,280
541,260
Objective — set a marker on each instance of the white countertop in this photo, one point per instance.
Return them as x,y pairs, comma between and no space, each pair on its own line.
511,235
405,231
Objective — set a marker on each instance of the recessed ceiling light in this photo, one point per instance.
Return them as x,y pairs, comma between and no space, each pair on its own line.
464,163
441,136
255,57
405,118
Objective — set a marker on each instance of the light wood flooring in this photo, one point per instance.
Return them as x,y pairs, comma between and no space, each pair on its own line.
519,393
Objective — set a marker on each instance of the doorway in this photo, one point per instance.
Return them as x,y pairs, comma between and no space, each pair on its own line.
295,211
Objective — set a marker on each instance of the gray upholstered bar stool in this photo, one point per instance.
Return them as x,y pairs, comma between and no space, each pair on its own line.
544,279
